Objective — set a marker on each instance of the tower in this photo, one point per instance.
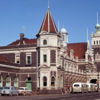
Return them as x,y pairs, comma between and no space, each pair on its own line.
48,45
64,34
96,45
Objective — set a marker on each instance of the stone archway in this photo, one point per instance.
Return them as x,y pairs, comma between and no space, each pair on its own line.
1,81
16,82
29,83
52,81
8,81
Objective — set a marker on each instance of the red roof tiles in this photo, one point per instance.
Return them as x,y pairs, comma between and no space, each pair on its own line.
48,24
3,58
79,49
25,41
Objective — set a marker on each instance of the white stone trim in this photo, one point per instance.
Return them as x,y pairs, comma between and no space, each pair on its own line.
18,50
14,67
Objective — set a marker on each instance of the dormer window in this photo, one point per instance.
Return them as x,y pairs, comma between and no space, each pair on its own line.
44,42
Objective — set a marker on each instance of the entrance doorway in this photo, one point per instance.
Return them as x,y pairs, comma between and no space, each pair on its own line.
8,81
29,83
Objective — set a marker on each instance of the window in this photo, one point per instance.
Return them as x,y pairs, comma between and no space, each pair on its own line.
44,42
8,81
97,42
45,58
0,81
52,81
63,37
28,60
94,42
16,82
17,59
44,81
76,85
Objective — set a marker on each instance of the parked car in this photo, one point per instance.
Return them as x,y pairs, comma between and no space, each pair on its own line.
1,88
9,90
24,91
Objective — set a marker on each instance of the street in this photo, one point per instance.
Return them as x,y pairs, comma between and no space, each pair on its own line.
85,96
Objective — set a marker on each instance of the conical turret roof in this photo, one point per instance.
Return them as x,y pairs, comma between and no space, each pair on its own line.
49,24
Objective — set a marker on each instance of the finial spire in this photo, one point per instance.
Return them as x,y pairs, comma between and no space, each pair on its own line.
58,25
88,42
97,17
87,34
48,4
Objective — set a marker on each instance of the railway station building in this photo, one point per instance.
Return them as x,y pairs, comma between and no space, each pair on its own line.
49,62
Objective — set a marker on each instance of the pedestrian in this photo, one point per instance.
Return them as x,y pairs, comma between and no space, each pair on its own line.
63,91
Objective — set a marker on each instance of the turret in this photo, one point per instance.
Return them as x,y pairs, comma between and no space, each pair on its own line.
97,27
64,36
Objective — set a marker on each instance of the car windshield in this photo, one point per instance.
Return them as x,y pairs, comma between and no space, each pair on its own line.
6,87
20,88
1,88
76,85
26,89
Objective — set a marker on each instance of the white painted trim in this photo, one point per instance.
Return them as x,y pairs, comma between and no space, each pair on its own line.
14,67
17,50
27,68
8,66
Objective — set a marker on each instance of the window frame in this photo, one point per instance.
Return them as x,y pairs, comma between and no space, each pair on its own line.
17,56
44,81
27,60
44,58
44,42
53,81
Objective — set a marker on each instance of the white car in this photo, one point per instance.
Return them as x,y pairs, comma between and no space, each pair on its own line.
9,90
24,91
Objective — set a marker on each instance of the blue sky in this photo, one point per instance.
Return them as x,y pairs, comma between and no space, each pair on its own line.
75,15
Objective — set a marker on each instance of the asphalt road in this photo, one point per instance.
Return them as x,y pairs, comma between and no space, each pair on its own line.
88,96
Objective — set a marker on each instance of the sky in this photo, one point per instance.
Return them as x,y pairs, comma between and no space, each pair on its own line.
18,16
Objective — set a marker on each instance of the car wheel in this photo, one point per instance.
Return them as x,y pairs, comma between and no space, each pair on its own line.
11,94
17,94
24,93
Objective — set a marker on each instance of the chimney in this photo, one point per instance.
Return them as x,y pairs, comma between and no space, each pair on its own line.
21,38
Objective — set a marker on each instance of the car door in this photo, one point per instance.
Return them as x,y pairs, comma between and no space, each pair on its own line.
14,90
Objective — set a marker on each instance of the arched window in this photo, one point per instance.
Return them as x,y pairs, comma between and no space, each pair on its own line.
53,81
44,81
44,42
8,81
0,81
97,42
16,82
94,42
29,83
